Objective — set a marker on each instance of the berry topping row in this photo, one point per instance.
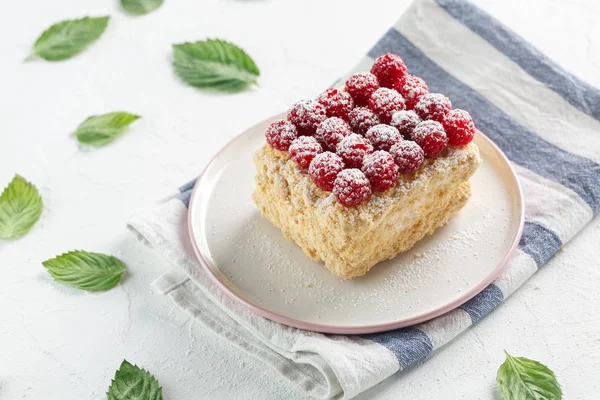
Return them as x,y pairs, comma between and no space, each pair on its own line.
357,140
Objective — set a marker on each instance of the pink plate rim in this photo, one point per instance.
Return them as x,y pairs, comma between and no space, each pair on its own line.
360,329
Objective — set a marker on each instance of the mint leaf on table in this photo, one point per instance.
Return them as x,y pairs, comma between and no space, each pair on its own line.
93,272
525,379
99,130
139,7
134,383
20,208
68,38
214,64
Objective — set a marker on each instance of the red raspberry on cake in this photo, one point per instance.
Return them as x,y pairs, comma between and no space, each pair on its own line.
353,148
280,134
412,88
433,106
336,103
361,119
351,187
405,121
361,86
382,137
408,156
381,170
389,70
384,102
306,115
459,127
331,131
324,168
430,135
304,149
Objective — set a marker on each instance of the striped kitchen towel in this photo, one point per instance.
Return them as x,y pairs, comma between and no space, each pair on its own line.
546,121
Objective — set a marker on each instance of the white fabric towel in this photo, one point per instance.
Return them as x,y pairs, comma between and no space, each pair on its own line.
544,119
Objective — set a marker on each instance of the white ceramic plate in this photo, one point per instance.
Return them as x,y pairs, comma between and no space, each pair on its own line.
256,265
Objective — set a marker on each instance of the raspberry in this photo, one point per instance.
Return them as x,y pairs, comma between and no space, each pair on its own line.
336,103
351,187
408,156
361,86
389,70
324,168
412,89
306,115
280,134
382,137
361,119
459,127
405,121
433,106
353,148
331,131
431,137
384,102
304,149
381,170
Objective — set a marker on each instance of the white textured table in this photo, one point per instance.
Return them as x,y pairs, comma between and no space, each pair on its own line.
60,343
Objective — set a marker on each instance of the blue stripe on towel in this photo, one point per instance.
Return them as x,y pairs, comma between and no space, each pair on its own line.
185,192
185,197
409,345
518,143
539,242
482,304
188,186
576,92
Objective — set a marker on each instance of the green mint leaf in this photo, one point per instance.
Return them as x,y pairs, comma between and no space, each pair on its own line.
68,38
100,130
214,64
139,7
134,383
20,208
525,379
93,272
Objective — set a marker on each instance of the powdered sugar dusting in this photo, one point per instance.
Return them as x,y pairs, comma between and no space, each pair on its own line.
459,127
430,135
361,119
405,121
351,187
407,155
384,102
324,169
383,137
412,89
337,103
457,115
360,86
389,69
433,106
353,149
306,115
304,149
383,96
331,131
362,80
381,170
280,134
427,128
